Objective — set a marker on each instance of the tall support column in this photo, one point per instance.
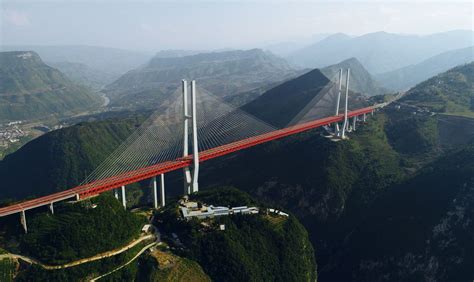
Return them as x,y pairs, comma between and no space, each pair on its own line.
116,193
78,197
195,185
336,128
364,117
354,121
23,221
344,127
162,190
155,192
124,199
51,208
186,117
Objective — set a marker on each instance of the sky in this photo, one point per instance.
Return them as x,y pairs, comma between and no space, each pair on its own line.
159,25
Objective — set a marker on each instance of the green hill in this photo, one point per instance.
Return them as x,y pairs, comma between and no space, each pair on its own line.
251,248
451,92
63,158
30,89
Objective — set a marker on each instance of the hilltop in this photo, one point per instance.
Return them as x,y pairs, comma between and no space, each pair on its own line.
360,81
30,89
260,247
222,73
451,92
311,95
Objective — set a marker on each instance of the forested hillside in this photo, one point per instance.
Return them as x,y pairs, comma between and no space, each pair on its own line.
451,92
62,158
31,89
252,247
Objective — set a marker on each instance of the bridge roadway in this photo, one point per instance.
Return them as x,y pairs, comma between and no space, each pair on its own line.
117,181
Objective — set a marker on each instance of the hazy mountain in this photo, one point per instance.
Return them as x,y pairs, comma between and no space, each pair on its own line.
449,92
309,96
31,89
360,80
177,53
222,73
380,51
84,75
409,76
110,60
287,47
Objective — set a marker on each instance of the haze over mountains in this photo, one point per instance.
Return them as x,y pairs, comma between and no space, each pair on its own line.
403,78
380,51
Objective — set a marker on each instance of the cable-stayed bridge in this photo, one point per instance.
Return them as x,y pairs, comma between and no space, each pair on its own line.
193,129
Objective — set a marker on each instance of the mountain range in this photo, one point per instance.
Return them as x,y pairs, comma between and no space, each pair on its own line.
409,76
380,52
222,73
109,60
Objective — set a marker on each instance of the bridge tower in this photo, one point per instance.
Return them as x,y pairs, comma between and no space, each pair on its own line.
346,122
191,184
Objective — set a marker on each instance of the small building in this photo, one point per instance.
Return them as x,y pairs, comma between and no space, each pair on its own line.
147,228
196,210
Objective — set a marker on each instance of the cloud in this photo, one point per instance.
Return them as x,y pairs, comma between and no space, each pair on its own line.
16,18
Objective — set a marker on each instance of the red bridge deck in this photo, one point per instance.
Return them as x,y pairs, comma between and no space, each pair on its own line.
103,185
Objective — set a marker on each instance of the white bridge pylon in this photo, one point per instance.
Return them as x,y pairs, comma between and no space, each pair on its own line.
191,184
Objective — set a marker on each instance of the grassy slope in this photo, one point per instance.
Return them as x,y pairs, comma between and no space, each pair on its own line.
180,269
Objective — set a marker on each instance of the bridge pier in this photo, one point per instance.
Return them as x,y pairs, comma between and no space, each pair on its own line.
124,199
364,117
116,193
354,121
155,193
162,198
162,190
51,208
23,221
